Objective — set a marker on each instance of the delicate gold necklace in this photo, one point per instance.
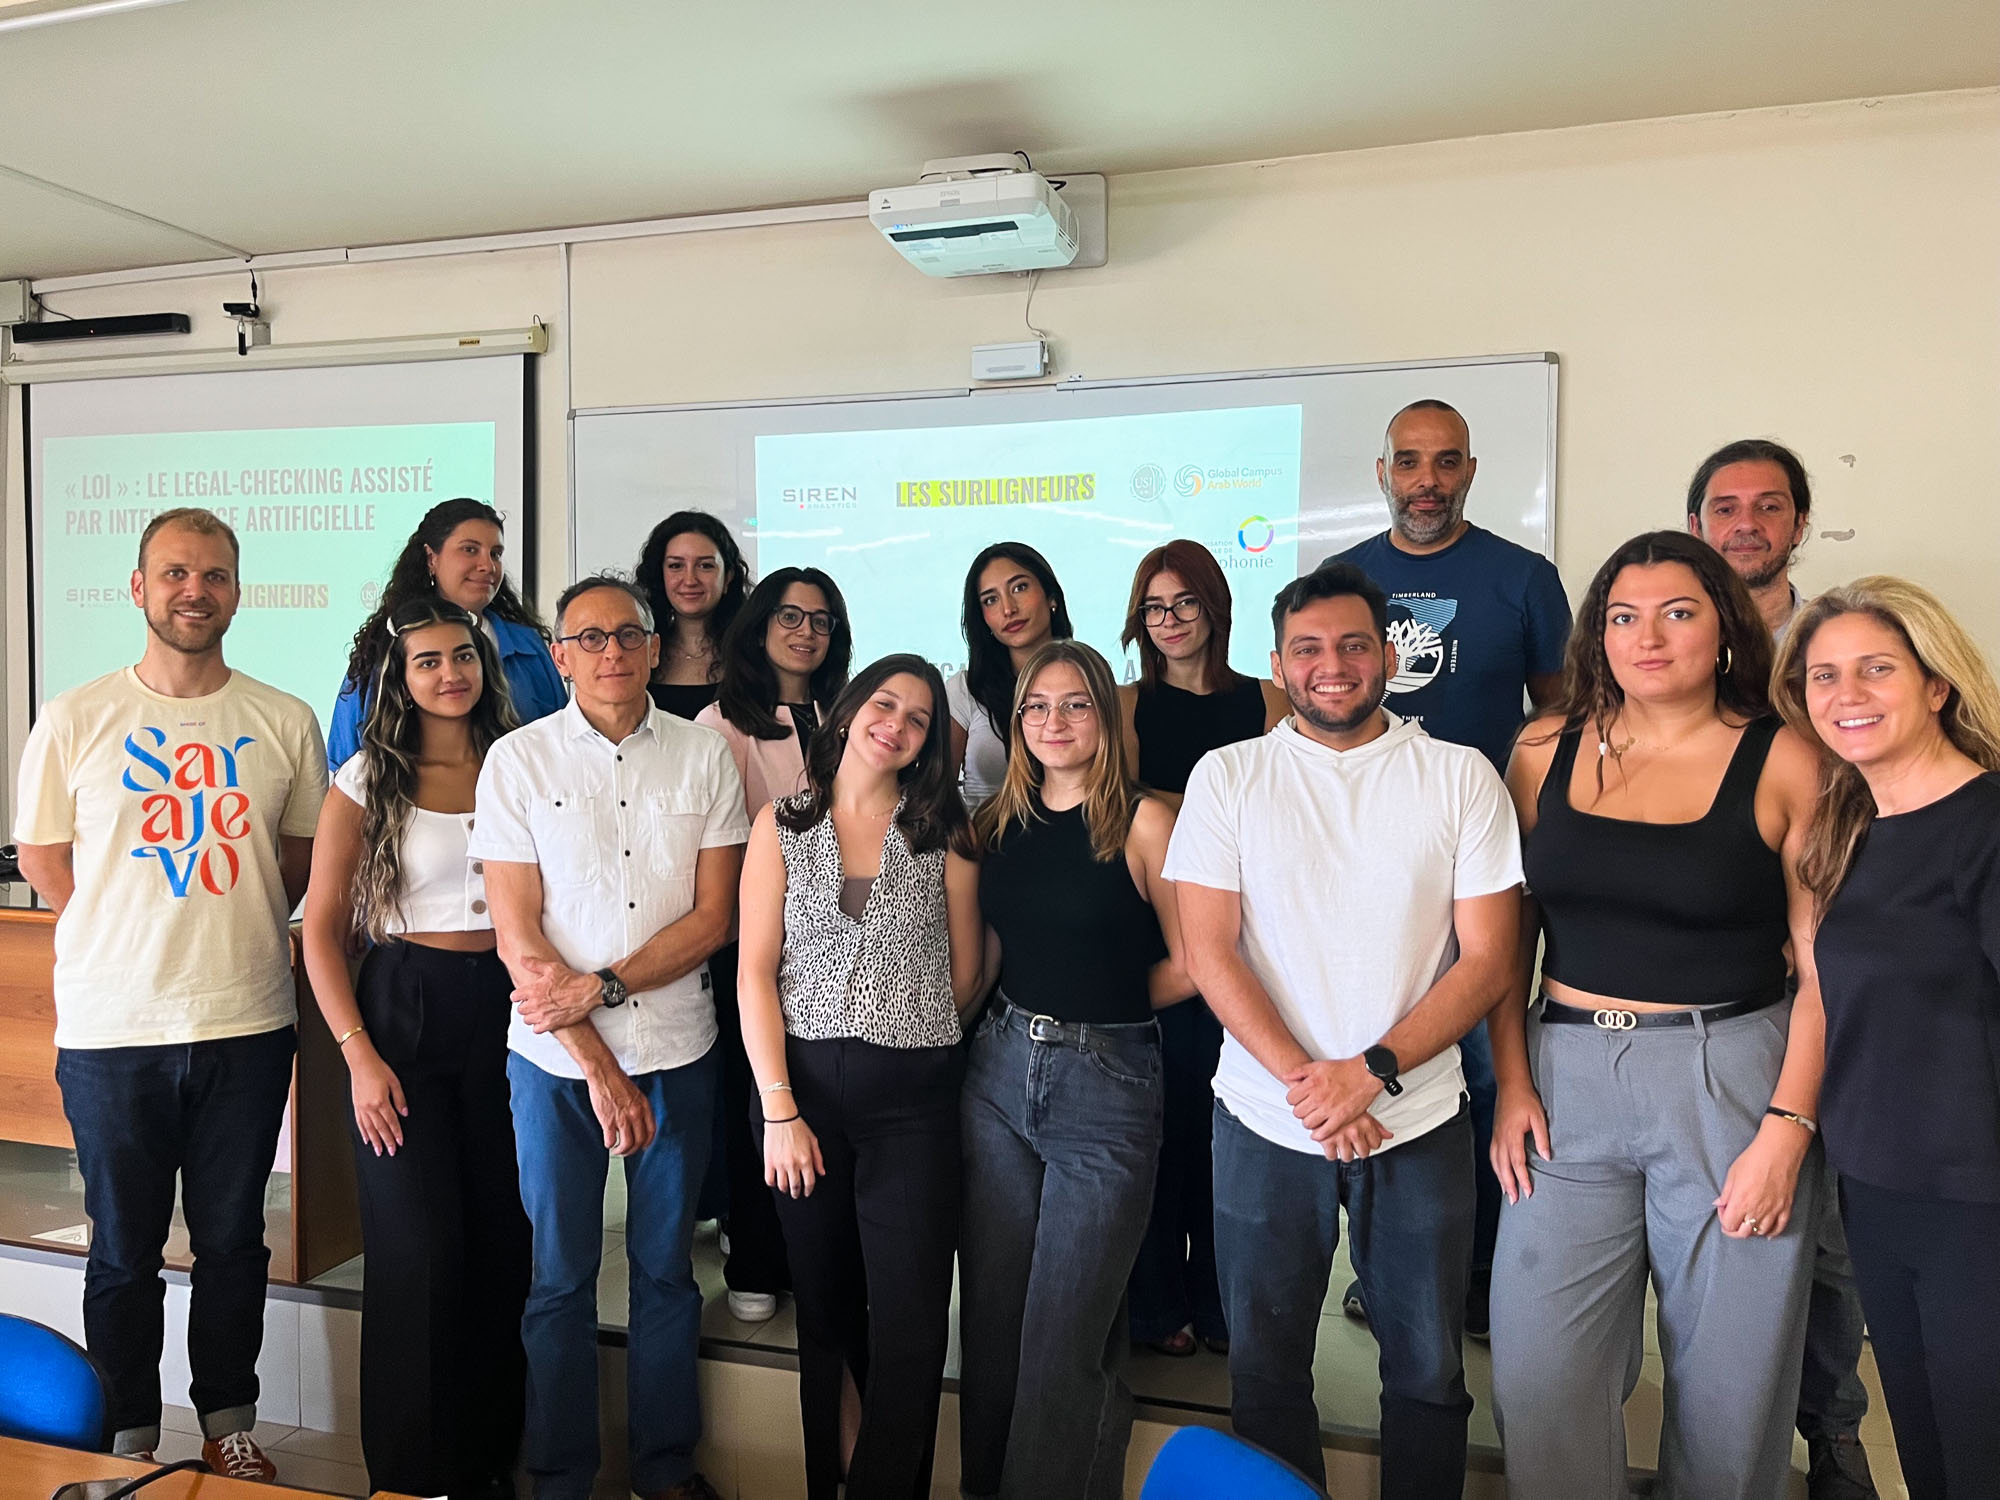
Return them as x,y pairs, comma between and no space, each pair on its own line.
1617,752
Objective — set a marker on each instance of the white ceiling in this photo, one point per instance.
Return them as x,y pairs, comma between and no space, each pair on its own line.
272,125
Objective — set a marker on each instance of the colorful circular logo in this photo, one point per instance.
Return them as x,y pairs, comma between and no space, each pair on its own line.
1255,534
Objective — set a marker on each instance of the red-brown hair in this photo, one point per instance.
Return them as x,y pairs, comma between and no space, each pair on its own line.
1197,568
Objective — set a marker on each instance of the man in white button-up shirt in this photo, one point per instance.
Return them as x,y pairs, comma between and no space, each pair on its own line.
612,835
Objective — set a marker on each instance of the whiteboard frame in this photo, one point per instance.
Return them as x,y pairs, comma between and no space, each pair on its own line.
1074,383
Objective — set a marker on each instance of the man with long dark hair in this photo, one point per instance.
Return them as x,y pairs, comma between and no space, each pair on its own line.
611,835
166,814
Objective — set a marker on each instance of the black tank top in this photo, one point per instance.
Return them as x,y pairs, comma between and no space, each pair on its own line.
683,699
1176,728
1076,937
1664,913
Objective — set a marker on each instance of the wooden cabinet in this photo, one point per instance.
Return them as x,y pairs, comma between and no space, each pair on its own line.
320,1225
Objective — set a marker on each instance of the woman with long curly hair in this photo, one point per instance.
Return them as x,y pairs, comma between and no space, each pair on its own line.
694,577
1655,1100
423,1031
1903,865
457,553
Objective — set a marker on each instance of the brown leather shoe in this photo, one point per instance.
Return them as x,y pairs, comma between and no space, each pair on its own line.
235,1455
694,1487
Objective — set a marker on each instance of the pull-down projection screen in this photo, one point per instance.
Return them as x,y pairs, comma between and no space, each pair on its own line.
1272,472
322,472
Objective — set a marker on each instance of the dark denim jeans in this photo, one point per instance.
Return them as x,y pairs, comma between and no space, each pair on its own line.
563,1164
1409,1223
1173,1281
1482,1093
1061,1147
209,1113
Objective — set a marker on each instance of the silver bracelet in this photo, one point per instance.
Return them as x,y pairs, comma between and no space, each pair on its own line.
772,1088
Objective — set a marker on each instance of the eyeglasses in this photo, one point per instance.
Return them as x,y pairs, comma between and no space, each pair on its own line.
1070,710
791,617
1187,611
593,640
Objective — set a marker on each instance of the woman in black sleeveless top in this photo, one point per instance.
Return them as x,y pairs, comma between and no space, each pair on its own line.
1061,1110
1187,702
1665,1084
695,579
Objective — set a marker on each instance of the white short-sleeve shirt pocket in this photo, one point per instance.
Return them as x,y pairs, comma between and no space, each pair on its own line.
566,839
673,826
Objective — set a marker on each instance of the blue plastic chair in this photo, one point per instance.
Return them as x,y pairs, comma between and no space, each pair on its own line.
1199,1463
51,1391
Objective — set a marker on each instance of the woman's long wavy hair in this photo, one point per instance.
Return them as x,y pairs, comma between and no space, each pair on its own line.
1109,799
1591,697
410,578
748,697
989,666
651,571
392,738
1970,717
933,815
1196,567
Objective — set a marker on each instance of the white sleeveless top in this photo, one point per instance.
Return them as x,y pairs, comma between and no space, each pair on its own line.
444,890
884,979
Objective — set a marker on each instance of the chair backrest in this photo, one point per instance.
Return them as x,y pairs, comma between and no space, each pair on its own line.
1199,1463
50,1390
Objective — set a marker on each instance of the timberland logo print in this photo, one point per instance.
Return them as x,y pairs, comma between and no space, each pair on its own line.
192,812
1417,624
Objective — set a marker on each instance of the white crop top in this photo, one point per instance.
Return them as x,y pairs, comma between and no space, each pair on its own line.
444,890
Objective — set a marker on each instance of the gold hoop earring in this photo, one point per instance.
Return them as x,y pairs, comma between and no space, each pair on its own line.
1728,660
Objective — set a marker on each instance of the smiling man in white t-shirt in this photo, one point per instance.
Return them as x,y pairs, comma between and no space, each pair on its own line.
166,814
1350,898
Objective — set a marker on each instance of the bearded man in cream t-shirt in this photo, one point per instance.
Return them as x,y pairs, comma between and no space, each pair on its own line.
1350,903
165,813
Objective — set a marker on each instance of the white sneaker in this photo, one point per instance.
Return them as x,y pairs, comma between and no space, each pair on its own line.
753,1307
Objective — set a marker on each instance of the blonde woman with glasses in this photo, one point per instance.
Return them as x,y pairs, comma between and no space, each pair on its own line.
1903,865
1062,1103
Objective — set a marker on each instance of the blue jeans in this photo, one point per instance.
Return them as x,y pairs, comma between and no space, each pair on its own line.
208,1112
1409,1223
563,1163
1061,1146
1482,1092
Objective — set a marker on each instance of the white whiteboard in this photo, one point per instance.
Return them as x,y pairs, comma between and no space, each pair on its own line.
633,466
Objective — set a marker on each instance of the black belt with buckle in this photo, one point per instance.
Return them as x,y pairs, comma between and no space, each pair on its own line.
1083,1036
1555,1013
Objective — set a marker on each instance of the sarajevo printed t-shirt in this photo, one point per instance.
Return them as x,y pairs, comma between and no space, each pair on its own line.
1347,863
1470,624
173,808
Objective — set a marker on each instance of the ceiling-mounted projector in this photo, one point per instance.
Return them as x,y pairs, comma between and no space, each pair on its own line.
975,215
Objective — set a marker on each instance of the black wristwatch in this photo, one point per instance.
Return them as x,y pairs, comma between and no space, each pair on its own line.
1381,1062
614,993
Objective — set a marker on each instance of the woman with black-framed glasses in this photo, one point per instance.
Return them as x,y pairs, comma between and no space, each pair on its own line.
1186,703
784,659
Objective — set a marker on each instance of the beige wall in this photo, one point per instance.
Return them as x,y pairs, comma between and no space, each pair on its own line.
1826,275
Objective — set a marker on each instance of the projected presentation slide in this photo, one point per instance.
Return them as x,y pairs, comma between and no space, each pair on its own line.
323,473
320,513
897,516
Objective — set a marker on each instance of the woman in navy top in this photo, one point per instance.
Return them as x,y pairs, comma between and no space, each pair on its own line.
1903,863
1187,702
455,553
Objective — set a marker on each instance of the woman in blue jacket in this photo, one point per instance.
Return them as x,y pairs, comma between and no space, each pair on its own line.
455,551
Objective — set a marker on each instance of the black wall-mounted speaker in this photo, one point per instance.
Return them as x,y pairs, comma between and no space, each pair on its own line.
70,330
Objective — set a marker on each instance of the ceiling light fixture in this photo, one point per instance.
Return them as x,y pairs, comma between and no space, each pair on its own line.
56,14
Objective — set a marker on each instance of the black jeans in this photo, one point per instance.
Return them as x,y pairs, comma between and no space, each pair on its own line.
209,1113
1409,1228
1173,1281
871,1249
756,1260
1926,1271
443,1378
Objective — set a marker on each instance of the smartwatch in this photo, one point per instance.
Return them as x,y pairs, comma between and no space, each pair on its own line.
614,992
1381,1062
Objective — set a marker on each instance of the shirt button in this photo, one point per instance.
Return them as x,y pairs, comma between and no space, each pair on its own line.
631,906
479,867
628,853
621,801
478,908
